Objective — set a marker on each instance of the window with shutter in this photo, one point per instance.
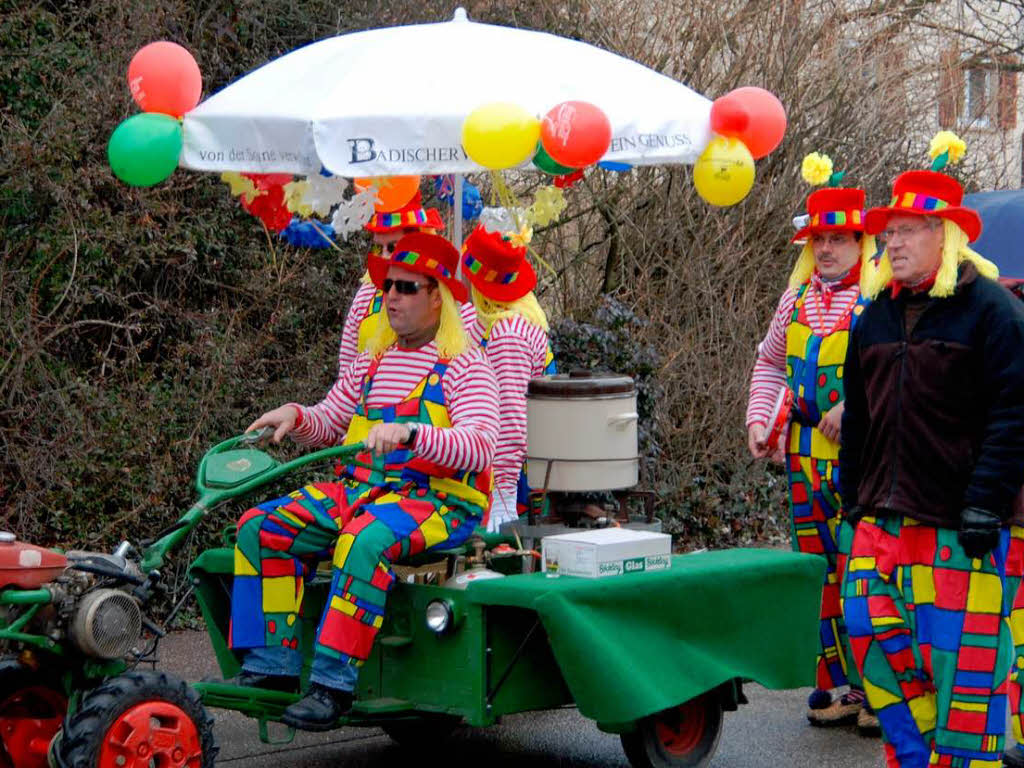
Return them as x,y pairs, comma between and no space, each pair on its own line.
951,88
1006,102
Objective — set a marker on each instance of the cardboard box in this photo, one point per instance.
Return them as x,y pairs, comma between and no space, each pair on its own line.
606,552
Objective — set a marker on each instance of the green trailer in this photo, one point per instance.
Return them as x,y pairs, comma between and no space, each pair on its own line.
655,657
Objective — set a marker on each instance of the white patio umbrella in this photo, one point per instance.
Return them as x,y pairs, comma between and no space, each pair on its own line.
392,102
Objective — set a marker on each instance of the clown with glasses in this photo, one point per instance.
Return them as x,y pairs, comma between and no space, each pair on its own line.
423,400
931,459
803,352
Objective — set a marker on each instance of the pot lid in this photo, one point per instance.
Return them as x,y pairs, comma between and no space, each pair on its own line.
581,384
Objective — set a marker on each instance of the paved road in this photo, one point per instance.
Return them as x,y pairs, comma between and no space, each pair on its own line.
770,731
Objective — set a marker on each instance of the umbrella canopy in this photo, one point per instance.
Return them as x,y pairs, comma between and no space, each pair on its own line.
392,102
1002,232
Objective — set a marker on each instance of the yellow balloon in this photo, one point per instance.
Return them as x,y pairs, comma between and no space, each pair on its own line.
500,135
724,173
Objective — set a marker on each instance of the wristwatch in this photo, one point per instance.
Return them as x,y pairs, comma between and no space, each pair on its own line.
413,428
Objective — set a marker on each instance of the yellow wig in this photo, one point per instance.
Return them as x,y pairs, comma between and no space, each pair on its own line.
451,337
955,249
488,311
804,267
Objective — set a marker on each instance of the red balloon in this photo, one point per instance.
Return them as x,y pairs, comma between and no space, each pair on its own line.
576,134
163,77
753,115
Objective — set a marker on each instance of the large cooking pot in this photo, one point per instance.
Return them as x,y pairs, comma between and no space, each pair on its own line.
581,432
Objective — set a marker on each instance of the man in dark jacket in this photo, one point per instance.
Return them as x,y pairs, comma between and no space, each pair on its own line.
932,457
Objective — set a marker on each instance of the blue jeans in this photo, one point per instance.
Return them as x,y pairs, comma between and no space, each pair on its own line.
288,662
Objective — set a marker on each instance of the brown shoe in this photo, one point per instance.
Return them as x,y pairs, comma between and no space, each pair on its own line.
867,723
842,711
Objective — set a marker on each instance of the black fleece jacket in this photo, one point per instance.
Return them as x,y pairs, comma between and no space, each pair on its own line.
934,416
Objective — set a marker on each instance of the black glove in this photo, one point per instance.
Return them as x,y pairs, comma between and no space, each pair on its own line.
853,514
979,531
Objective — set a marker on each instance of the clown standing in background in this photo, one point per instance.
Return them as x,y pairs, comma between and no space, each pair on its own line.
804,351
932,457
513,331
387,229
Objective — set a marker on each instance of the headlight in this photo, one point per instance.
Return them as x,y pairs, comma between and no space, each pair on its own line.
439,615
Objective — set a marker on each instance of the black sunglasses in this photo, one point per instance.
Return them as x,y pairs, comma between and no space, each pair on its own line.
406,287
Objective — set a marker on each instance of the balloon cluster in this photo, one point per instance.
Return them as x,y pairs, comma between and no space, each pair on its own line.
749,123
571,136
165,82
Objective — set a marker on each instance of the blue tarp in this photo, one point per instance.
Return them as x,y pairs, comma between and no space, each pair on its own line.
1002,234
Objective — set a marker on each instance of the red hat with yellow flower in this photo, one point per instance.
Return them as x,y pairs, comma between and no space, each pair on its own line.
930,193
497,266
834,208
424,253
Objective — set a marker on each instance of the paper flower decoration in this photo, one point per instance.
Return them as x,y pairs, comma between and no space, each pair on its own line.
548,204
294,194
240,185
323,193
501,220
521,238
816,169
352,214
946,147
308,234
268,206
568,180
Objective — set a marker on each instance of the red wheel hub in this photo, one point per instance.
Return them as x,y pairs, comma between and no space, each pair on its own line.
680,730
152,733
29,719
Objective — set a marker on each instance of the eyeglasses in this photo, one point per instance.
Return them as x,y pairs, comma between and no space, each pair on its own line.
902,232
377,248
405,287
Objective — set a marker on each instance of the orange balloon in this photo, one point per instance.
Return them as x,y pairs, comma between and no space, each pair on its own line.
163,77
393,192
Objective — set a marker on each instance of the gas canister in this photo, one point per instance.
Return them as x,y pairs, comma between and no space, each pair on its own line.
25,565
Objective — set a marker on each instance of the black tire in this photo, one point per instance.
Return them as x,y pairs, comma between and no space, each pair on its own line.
32,705
681,737
119,716
422,731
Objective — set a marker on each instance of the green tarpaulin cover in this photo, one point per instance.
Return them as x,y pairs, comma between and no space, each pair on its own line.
635,644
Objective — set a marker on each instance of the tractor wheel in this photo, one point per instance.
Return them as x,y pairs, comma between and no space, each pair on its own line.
681,737
425,730
32,706
139,719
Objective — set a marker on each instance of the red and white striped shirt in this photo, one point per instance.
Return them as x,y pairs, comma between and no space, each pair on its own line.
769,374
349,346
517,350
470,392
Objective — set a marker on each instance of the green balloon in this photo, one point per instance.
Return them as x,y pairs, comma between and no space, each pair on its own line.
543,161
144,149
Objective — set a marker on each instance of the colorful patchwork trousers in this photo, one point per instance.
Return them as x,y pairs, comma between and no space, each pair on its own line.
280,543
928,635
1015,612
814,507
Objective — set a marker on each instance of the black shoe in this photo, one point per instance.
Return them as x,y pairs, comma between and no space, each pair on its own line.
1014,757
284,683
319,709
